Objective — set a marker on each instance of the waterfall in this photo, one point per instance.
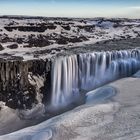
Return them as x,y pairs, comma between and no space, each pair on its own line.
64,80
86,71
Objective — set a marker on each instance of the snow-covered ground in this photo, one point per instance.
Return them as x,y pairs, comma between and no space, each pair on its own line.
109,117
36,34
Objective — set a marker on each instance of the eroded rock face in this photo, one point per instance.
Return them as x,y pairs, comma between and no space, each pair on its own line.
22,82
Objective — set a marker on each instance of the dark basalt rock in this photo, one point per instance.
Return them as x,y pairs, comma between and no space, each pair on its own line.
31,28
78,39
65,40
26,28
1,47
12,46
20,98
15,88
5,39
51,27
39,41
62,40
88,28
20,40
66,27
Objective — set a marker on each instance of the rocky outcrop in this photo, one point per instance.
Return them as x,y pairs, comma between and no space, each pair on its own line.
39,41
1,47
87,28
65,40
40,28
20,82
26,28
12,46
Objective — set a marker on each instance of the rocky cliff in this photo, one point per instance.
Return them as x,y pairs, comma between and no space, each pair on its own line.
47,65
22,82
25,77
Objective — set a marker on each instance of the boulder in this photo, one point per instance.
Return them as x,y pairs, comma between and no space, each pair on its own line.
12,46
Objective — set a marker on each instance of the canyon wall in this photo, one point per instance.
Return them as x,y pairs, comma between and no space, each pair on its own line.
60,80
21,82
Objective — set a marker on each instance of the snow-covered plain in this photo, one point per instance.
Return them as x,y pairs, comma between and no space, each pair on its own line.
113,117
64,33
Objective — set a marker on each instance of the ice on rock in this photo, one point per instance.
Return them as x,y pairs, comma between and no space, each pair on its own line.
100,95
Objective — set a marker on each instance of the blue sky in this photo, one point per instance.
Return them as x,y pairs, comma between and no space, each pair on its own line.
72,8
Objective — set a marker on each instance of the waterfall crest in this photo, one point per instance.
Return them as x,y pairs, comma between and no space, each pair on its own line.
86,71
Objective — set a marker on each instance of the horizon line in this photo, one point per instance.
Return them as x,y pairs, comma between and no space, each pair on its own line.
68,17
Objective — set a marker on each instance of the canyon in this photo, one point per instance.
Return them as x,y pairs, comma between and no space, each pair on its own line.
49,66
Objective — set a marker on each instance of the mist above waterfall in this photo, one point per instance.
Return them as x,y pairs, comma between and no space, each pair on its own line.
87,71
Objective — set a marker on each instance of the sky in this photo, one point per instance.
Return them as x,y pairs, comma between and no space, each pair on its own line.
72,8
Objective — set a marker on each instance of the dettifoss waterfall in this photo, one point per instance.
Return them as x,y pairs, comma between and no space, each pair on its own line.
86,71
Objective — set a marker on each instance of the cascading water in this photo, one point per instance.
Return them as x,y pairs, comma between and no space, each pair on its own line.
64,80
86,71
98,68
